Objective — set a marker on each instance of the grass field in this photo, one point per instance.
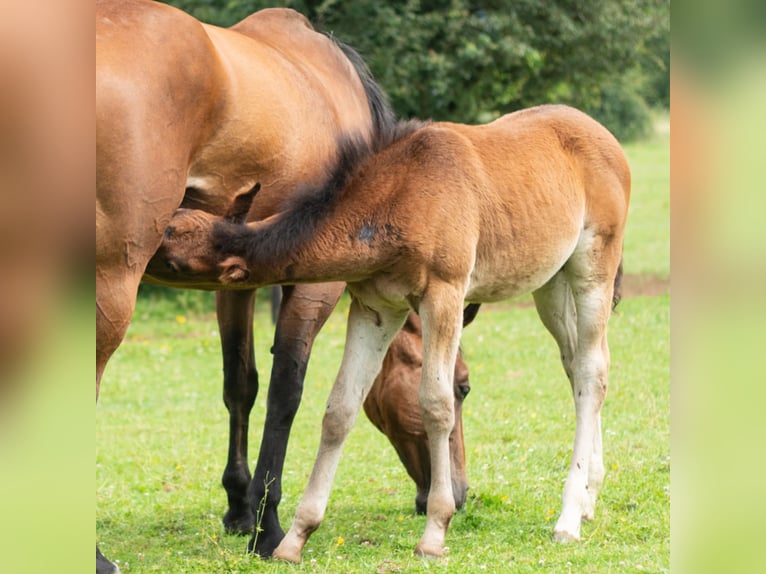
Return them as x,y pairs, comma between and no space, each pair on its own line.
161,439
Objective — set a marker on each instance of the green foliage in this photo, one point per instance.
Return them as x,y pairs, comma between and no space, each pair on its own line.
470,61
622,110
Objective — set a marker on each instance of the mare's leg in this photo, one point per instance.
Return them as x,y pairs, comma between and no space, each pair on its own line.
590,366
116,291
124,247
303,312
441,312
104,566
240,387
368,336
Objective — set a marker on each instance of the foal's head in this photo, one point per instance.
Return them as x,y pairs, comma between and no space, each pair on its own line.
190,253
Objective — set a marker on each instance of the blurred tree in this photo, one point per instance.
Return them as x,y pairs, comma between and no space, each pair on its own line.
471,61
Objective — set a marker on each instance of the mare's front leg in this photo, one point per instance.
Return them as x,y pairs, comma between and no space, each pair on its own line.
303,312
368,336
240,387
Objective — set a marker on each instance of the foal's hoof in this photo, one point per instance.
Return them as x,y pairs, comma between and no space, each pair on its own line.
565,536
426,551
288,552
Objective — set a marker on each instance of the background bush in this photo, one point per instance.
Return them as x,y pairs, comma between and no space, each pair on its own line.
469,61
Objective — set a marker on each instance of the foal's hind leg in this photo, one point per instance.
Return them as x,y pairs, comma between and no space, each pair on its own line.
556,306
587,273
441,312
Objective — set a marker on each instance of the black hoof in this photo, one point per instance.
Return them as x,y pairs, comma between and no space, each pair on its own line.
263,544
103,566
239,522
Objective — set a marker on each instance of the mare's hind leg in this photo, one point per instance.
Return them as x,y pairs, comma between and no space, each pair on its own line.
240,387
303,312
115,301
368,336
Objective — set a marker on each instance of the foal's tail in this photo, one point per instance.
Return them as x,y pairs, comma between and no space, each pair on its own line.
469,313
617,293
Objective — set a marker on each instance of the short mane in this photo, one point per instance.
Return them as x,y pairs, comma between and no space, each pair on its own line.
312,204
383,117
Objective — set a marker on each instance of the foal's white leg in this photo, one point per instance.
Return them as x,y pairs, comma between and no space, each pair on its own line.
589,385
556,307
595,471
367,339
441,314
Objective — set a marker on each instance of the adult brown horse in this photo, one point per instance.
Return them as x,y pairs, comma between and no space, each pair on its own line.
191,114
436,215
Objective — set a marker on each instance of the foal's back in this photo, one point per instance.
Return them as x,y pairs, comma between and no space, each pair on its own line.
514,198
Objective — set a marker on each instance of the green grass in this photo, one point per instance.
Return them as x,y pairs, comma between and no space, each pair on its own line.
161,432
647,236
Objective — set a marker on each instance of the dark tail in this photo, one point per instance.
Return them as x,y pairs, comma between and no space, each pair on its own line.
617,294
469,313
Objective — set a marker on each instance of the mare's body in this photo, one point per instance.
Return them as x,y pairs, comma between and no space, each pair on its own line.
190,114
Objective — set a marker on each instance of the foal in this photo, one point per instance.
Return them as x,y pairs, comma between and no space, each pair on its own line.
435,215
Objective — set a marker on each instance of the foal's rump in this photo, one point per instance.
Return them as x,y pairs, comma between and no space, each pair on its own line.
554,179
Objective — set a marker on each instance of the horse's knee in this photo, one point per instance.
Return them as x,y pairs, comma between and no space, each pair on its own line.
438,411
236,477
336,424
591,377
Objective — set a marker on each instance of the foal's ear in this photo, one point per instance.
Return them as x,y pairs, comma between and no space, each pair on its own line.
234,270
241,206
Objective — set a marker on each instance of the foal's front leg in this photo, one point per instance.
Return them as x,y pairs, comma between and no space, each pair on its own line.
368,336
441,314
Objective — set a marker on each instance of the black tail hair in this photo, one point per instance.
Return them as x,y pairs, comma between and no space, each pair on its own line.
383,118
617,293
469,313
